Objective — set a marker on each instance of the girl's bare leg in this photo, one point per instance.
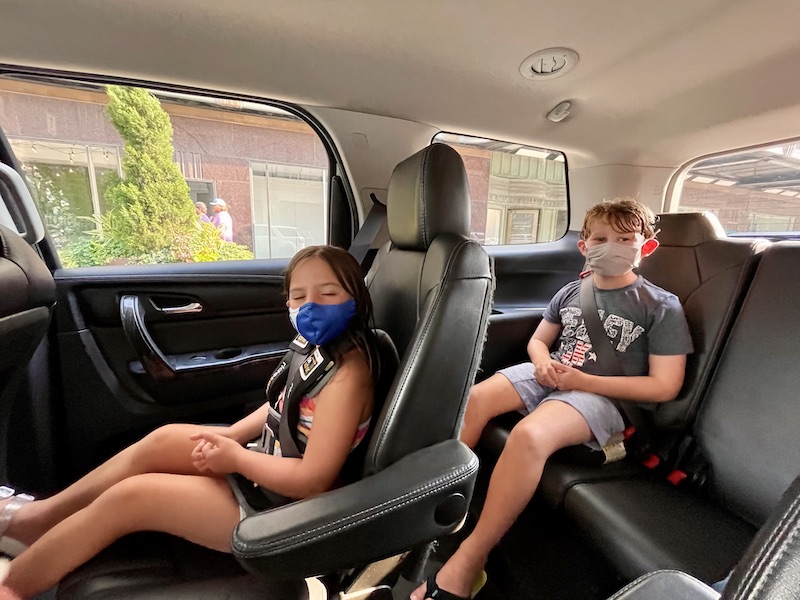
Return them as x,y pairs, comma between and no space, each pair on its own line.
165,450
200,509
553,425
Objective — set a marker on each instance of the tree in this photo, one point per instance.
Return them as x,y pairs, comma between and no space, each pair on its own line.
153,212
151,217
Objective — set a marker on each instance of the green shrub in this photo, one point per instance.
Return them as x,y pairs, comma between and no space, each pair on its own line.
151,217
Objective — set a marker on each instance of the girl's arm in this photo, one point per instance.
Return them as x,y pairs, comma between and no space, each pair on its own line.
340,407
249,427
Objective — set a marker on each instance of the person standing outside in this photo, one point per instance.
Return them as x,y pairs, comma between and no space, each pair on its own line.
222,219
201,209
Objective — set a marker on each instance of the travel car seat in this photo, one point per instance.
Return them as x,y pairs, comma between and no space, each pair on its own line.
432,290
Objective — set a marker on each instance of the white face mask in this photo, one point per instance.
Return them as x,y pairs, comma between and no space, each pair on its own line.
293,317
612,259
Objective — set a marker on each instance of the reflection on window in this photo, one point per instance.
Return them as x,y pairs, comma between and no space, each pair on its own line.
69,182
288,208
755,191
518,193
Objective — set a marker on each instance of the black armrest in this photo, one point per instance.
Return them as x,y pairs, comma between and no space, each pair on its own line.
666,585
417,499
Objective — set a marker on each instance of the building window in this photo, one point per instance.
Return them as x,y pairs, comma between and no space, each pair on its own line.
69,182
288,208
518,193
751,192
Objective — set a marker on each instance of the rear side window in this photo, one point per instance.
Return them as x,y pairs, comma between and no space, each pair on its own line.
751,192
518,192
126,175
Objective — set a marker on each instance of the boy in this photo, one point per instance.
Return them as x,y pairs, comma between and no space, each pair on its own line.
651,339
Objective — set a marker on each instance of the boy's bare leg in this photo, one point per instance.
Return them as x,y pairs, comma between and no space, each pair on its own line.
200,509
553,425
165,450
488,399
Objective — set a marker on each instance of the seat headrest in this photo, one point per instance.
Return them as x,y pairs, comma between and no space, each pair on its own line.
688,229
428,195
25,281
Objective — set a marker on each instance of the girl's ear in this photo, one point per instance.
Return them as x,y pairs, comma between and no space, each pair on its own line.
649,247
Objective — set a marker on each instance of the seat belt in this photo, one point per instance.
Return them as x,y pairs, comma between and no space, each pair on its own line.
374,229
640,427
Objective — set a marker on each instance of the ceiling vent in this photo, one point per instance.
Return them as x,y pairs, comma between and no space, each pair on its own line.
549,64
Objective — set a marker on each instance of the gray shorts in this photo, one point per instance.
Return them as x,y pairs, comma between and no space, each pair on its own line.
600,413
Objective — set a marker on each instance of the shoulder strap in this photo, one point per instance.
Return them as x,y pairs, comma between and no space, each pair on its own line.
373,232
308,373
608,359
601,344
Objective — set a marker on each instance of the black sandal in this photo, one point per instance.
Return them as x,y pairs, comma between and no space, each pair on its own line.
434,592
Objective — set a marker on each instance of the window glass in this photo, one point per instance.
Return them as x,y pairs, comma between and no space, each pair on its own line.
134,176
751,192
519,193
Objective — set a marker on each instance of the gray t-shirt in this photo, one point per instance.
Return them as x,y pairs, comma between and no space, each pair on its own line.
641,319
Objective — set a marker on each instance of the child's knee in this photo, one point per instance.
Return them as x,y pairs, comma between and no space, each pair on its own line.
528,439
478,404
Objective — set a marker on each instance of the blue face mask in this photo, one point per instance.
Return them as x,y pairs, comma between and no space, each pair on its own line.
320,324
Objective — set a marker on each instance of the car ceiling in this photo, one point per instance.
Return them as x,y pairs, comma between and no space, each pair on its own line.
658,83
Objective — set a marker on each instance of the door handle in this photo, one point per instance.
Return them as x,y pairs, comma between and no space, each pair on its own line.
153,360
192,307
161,367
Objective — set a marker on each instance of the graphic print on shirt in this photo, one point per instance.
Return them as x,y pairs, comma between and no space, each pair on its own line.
575,349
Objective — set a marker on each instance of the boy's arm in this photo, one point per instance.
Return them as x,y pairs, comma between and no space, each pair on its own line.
539,351
661,384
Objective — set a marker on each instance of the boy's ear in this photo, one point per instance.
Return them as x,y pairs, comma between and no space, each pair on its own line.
582,246
649,247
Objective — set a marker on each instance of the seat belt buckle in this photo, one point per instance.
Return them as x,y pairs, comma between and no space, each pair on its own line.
677,477
651,461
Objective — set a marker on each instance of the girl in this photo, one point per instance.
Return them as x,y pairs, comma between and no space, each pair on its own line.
176,479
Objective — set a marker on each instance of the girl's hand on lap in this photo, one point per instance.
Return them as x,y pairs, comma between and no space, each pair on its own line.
215,453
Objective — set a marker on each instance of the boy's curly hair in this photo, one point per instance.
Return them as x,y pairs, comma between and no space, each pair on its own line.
624,215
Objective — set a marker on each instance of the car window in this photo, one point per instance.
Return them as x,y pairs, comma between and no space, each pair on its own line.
518,192
751,191
126,175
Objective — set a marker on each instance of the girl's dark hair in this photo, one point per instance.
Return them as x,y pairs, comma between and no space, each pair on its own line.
351,278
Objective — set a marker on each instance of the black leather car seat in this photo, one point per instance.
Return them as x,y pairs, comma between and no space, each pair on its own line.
769,569
27,295
431,288
746,433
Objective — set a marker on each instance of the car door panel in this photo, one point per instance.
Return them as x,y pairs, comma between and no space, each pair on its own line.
219,356
527,278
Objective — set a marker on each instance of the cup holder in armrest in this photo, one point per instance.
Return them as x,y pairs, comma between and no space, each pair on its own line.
227,353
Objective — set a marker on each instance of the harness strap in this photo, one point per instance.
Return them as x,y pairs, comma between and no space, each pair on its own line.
638,437
305,369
